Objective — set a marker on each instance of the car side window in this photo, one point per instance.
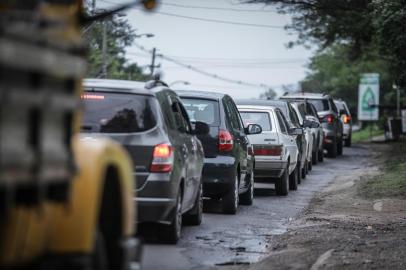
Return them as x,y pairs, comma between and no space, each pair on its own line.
180,122
281,121
185,118
232,115
293,116
333,106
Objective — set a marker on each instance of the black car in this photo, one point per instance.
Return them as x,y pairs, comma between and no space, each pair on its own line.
293,122
154,127
228,164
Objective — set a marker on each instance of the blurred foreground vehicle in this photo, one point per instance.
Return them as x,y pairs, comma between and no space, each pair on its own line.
275,150
347,121
228,172
329,118
154,127
65,202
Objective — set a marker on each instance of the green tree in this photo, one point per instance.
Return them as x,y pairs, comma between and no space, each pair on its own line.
268,94
119,35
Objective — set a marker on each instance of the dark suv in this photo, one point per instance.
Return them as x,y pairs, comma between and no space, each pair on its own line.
329,118
154,127
228,165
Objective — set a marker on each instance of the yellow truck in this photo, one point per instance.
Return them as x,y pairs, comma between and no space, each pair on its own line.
65,202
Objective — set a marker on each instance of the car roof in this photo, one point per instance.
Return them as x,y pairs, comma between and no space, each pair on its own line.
256,107
200,94
122,86
261,102
303,95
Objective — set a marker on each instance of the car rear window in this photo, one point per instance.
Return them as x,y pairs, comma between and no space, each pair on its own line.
202,110
320,104
118,113
260,118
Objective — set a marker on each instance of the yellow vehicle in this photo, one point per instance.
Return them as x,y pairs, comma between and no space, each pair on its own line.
65,202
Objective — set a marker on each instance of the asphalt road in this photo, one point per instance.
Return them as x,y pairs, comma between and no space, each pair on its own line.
243,238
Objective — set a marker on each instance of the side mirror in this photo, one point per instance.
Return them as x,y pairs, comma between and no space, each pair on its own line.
307,123
201,128
296,131
252,129
315,124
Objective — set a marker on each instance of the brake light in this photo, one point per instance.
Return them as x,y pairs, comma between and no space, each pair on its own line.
162,158
328,119
269,151
226,141
92,96
346,119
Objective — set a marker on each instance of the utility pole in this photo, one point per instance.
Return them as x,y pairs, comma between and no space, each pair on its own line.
104,50
152,67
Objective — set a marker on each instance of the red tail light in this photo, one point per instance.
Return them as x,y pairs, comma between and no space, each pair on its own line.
346,119
162,159
328,119
226,141
269,151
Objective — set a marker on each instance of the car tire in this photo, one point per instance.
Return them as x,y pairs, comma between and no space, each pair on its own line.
304,170
293,179
99,256
194,216
247,198
321,155
348,142
299,173
310,166
332,151
340,148
315,157
231,199
282,184
170,234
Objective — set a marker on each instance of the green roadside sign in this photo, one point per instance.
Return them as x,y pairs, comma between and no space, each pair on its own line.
368,97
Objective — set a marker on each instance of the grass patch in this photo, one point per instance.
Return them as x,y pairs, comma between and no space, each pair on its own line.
392,181
365,134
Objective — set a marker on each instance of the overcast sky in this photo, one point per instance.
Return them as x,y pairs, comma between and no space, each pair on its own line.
254,53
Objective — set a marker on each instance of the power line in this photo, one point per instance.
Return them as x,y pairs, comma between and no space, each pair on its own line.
202,72
215,8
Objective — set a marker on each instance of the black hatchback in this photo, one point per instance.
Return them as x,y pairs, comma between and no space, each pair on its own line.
229,161
154,127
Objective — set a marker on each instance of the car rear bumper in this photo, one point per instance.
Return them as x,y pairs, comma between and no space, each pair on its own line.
346,131
156,199
269,168
218,174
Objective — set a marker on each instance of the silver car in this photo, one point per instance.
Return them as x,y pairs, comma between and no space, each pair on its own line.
275,149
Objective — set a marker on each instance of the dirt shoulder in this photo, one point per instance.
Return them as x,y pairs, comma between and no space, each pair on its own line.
347,226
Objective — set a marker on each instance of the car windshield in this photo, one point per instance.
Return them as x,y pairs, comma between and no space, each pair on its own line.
320,104
118,113
260,118
202,110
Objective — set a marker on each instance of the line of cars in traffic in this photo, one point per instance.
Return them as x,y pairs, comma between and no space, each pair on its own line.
191,145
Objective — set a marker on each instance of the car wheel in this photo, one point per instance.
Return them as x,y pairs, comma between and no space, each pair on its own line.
293,181
99,257
321,155
231,199
315,157
304,170
299,173
348,142
194,216
171,233
247,198
340,148
332,151
282,184
310,165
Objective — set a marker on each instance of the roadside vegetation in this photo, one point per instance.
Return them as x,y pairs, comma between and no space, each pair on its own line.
392,181
365,134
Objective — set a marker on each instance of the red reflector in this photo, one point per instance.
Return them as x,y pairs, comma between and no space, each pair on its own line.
162,160
226,141
91,96
276,151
